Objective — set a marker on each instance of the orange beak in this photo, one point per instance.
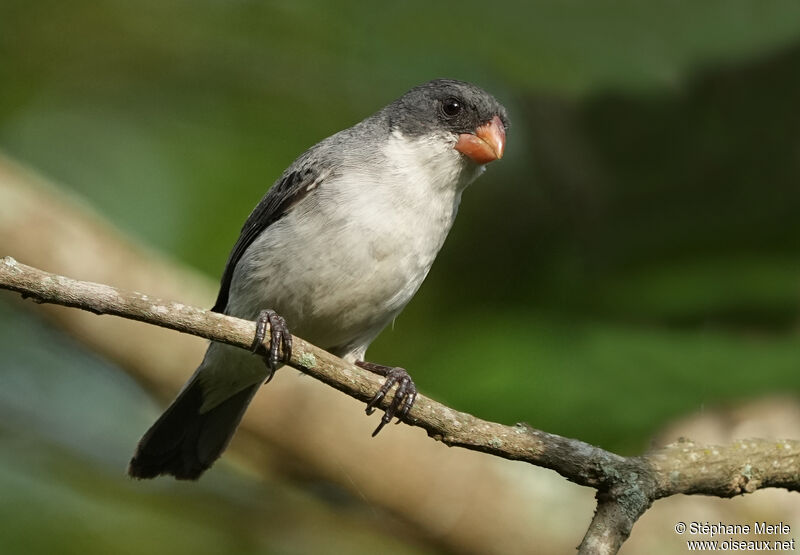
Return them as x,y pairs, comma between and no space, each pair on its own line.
486,145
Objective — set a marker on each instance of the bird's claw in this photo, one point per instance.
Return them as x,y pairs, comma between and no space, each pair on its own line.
404,396
280,340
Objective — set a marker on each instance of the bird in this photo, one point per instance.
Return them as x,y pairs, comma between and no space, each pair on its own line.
334,250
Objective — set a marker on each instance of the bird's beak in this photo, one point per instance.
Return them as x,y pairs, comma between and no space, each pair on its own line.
486,144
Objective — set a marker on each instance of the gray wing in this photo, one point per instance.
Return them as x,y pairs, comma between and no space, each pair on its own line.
293,186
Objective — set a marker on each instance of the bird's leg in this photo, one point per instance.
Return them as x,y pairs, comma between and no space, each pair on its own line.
280,340
403,399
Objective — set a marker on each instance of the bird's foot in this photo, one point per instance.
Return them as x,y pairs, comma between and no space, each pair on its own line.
280,340
403,398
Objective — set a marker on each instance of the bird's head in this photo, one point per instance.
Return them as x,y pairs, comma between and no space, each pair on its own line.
472,119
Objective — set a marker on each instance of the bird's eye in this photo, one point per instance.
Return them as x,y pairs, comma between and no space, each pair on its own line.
451,107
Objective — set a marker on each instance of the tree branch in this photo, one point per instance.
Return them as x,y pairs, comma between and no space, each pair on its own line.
626,486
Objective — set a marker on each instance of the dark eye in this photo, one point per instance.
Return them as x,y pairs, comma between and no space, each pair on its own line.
451,107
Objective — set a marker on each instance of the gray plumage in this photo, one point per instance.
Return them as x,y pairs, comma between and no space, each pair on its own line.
338,246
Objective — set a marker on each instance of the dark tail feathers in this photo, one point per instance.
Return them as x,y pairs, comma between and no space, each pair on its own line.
185,443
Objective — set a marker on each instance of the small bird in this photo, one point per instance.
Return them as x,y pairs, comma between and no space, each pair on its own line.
335,249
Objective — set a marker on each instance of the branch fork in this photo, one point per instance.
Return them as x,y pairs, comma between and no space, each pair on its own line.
626,486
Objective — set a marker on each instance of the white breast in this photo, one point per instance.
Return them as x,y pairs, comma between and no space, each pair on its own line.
348,257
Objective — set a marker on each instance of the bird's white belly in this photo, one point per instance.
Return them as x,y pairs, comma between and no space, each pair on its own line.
340,271
345,260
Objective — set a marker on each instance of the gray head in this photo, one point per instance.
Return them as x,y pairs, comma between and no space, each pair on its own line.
456,106
473,116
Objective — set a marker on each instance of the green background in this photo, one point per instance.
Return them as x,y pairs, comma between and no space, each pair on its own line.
632,259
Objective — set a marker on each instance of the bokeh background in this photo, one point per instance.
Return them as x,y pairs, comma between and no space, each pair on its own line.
633,259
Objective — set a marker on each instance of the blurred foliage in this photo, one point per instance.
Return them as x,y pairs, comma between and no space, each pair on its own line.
634,257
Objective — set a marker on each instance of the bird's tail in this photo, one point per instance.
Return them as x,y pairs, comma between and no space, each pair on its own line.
186,440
